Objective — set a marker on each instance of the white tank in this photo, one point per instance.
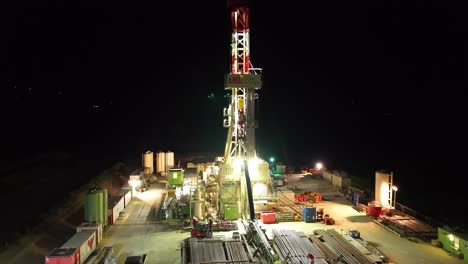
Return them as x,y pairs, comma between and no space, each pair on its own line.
148,161
264,172
169,160
197,209
160,162
197,194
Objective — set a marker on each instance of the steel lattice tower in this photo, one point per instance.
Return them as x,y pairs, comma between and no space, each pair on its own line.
243,81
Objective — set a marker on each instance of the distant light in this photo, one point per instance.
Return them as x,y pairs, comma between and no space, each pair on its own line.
237,164
134,183
272,159
395,188
319,166
260,189
253,168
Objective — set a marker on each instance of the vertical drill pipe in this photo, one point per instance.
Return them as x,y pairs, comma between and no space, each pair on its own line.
249,191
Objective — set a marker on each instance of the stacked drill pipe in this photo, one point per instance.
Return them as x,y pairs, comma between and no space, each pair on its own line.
235,252
412,226
342,247
290,204
295,247
216,251
206,251
329,253
257,238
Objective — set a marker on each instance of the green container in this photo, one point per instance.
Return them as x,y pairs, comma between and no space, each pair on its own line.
94,206
450,241
175,177
231,211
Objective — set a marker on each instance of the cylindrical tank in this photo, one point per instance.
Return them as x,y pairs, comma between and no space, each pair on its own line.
169,160
197,194
197,209
374,209
160,162
94,206
105,198
148,161
263,171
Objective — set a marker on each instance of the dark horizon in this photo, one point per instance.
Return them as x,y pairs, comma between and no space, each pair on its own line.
360,87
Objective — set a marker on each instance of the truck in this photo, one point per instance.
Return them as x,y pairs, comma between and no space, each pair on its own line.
136,259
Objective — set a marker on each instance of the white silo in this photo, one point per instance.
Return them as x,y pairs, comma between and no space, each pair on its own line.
160,162
148,161
169,160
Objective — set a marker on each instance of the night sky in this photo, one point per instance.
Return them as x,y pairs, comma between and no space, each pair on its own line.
358,85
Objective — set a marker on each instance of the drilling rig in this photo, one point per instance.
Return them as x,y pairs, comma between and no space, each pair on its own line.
243,82
243,175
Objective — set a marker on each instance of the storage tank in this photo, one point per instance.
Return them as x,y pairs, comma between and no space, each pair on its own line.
94,206
374,209
160,162
148,161
105,198
197,209
309,214
264,171
169,160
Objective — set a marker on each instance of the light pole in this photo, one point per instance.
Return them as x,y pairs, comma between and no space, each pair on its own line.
272,166
394,188
318,165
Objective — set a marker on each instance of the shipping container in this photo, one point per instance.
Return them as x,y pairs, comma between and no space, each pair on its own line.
327,176
116,205
128,187
309,214
84,241
94,226
127,198
63,256
176,177
280,169
268,218
127,194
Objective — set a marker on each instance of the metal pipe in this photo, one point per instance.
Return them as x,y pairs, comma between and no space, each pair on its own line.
249,191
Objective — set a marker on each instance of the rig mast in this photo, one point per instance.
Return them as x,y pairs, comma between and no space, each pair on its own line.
243,81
